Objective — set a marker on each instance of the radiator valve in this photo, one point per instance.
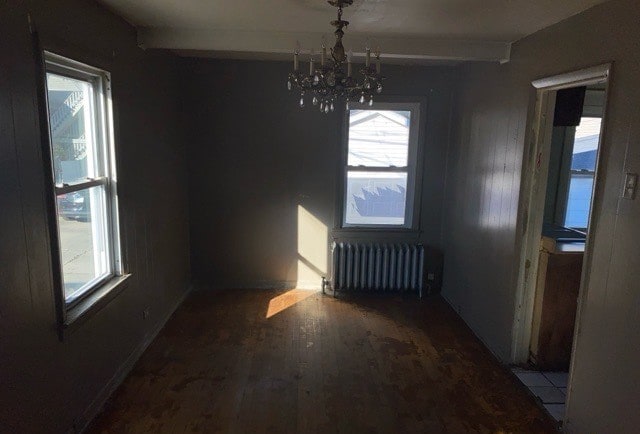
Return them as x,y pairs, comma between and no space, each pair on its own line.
325,282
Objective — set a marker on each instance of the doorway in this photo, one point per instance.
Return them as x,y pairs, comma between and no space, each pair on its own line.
559,189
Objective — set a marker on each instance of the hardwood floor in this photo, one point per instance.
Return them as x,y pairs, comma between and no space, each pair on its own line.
262,361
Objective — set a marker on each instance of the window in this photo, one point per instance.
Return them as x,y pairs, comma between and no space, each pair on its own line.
79,112
583,167
380,167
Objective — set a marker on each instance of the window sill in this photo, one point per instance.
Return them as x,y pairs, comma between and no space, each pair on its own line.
94,302
379,229
377,232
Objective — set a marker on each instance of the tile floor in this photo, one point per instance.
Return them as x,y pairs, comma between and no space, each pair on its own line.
549,387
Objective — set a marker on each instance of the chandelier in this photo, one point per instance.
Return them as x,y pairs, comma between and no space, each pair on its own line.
329,82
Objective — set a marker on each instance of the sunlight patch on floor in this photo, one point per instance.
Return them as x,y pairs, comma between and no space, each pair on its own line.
288,299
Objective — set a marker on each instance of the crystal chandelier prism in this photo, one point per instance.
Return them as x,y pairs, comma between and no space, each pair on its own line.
329,82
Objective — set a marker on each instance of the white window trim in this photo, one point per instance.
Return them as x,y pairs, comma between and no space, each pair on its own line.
101,84
411,218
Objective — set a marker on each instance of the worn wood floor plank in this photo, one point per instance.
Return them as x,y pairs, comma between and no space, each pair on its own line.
241,361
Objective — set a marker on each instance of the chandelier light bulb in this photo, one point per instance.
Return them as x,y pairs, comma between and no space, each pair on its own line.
367,61
324,50
379,89
302,102
371,102
296,52
311,69
362,99
326,108
289,85
315,101
332,107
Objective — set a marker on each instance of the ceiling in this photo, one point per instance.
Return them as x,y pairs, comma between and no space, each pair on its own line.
405,30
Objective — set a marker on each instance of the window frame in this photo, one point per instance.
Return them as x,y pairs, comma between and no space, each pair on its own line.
413,169
102,124
564,183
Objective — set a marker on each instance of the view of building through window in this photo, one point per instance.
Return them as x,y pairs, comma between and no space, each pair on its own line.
377,167
583,166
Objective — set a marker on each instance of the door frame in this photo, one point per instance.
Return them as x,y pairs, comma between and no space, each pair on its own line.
535,167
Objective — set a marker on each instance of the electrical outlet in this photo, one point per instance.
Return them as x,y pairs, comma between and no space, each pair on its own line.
145,314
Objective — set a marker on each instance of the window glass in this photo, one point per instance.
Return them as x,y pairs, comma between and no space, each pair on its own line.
376,198
583,166
579,203
83,232
379,138
72,129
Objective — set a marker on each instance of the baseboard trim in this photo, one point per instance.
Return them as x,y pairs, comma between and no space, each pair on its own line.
262,284
472,327
96,406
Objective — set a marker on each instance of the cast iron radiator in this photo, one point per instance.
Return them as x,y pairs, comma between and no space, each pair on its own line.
377,267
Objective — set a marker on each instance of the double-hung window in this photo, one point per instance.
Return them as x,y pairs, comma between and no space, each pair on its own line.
583,169
380,166
82,154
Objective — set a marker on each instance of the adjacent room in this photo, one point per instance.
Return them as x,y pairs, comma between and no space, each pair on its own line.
346,216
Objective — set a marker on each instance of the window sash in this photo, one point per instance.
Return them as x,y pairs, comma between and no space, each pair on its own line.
82,185
106,228
410,215
583,172
98,110
378,197
392,169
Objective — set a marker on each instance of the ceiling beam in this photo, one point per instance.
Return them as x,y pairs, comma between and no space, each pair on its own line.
399,49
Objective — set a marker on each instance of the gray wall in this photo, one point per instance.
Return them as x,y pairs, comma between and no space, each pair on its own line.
483,185
47,385
255,157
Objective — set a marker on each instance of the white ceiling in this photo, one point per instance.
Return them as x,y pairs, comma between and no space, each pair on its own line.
411,30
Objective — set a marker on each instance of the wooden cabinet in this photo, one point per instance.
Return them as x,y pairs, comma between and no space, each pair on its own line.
554,314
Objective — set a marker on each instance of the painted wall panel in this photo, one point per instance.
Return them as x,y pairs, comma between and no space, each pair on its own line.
258,162
47,385
493,107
